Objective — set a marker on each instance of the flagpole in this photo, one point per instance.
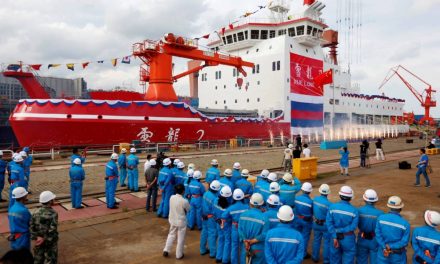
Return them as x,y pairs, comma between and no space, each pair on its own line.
333,105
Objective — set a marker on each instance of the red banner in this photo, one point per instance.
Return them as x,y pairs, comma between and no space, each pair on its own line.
303,70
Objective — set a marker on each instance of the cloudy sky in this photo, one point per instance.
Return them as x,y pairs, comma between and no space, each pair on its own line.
60,31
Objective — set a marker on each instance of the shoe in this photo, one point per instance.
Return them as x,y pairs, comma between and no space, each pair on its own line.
114,207
29,192
347,174
2,200
416,185
80,207
181,257
123,185
213,257
307,256
154,210
315,260
218,261
165,254
204,253
428,186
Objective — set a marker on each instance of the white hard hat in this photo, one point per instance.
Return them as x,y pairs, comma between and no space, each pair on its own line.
290,146
307,187
190,173
191,166
152,162
18,158
197,175
274,187
245,173
215,185
19,192
77,161
257,199
1,153
176,161
395,202
272,177
264,173
47,196
132,150
346,191
114,156
180,165
370,195
228,173
238,195
273,199
214,162
15,155
285,213
288,177
324,189
166,161
237,166
226,191
432,218
123,150
23,153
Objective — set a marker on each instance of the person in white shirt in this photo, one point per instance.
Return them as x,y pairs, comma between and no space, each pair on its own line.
147,163
306,151
179,207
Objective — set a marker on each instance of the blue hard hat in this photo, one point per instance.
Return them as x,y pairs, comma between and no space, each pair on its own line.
26,149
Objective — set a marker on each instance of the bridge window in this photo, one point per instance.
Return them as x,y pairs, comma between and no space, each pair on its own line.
257,69
263,34
278,65
234,72
300,30
236,101
229,39
245,35
235,37
255,34
272,34
315,31
240,36
291,32
273,66
282,32
309,30
224,40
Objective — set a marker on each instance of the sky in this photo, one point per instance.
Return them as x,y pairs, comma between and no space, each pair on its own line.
58,31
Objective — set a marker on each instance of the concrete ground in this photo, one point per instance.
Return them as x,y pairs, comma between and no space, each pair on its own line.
139,237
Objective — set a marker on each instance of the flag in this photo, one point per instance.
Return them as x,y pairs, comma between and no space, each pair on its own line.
36,66
231,26
247,14
53,65
101,61
126,60
324,78
223,30
206,36
85,64
70,66
13,67
114,62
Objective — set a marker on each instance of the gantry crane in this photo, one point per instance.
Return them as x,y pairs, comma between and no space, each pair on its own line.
157,69
427,102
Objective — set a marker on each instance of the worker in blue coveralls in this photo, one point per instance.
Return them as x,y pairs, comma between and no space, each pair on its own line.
166,185
366,242
111,181
289,187
17,177
174,166
426,240
9,166
222,202
274,189
208,236
320,231
27,162
133,174
284,244
252,229
236,174
196,191
272,205
344,160
262,177
304,215
19,220
122,163
213,173
75,154
392,234
226,179
187,180
342,220
265,188
3,166
231,216
245,186
421,168
179,174
77,176
262,182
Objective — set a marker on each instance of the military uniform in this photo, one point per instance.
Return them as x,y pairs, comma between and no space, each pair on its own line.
44,224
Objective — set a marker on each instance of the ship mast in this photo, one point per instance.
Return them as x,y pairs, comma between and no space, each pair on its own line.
279,9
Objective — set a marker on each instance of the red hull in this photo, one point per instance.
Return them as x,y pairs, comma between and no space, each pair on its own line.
74,123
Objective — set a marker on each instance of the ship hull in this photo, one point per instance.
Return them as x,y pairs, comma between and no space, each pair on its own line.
59,123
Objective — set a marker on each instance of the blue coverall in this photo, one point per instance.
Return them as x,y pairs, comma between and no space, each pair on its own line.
394,231
271,214
253,224
179,176
320,231
263,187
343,218
344,158
8,169
122,163
17,180
288,191
426,239
223,235
3,166
111,181
209,226
226,181
246,187
77,176
196,191
232,215
19,221
284,245
304,217
166,185
212,174
236,175
366,241
75,156
133,174
421,169
27,162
